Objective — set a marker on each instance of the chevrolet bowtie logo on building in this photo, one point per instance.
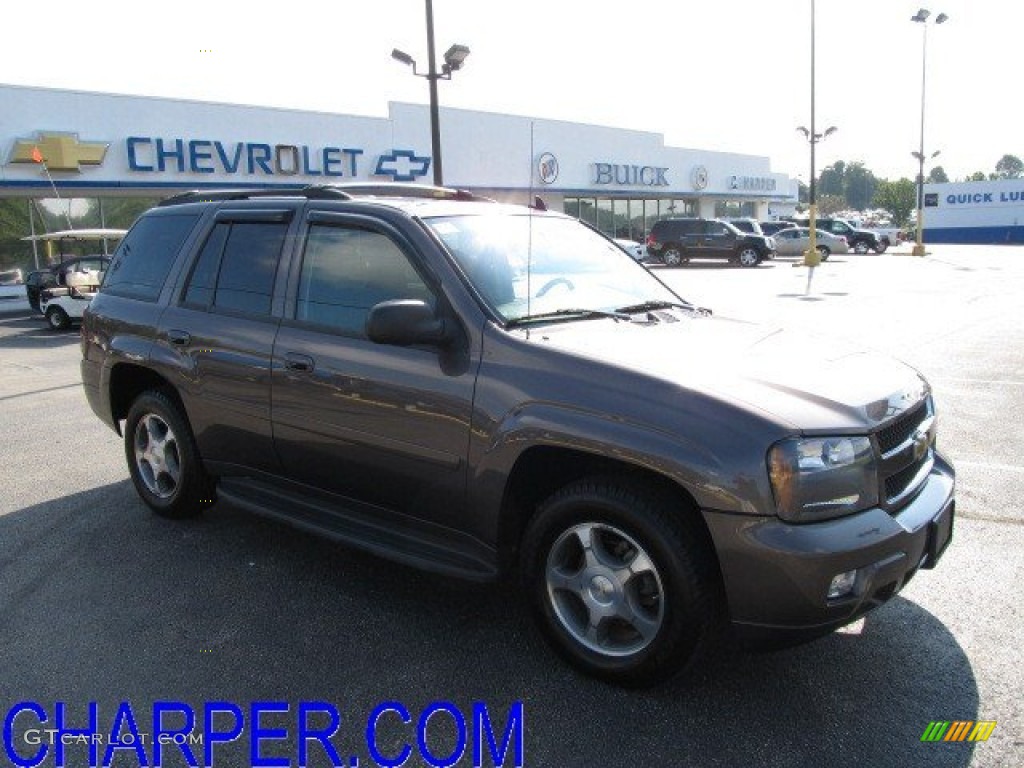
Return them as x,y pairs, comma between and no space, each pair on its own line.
402,165
59,151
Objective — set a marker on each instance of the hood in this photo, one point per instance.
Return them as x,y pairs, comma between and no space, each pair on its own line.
811,384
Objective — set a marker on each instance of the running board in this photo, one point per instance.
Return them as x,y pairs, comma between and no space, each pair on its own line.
383,532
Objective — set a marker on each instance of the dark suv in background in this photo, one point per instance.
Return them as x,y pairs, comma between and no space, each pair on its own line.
452,383
677,241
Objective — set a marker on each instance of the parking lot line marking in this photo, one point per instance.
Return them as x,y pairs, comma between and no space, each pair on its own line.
41,391
989,465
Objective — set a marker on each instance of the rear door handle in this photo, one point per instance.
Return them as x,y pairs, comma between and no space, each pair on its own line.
293,361
179,338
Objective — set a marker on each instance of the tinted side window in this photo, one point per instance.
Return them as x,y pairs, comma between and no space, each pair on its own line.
144,258
692,227
204,273
245,282
346,271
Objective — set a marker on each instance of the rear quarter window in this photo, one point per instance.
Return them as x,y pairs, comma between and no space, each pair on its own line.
145,257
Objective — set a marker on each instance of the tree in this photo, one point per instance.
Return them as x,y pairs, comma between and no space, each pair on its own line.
1009,167
937,175
832,181
859,186
897,197
829,204
977,176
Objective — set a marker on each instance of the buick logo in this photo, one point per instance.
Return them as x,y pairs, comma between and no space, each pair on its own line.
699,177
547,168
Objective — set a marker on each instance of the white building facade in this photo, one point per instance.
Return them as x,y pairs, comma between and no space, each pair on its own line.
986,212
77,144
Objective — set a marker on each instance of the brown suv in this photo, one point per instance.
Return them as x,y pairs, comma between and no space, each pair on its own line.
478,389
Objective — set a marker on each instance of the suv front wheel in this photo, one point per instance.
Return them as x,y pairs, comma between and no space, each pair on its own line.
621,581
748,257
163,459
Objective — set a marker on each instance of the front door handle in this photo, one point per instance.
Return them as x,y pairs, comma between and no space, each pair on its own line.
293,361
179,338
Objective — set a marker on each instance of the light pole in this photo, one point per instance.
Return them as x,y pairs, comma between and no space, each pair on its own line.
921,17
454,58
811,257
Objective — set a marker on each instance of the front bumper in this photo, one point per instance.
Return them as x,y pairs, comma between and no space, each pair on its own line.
777,574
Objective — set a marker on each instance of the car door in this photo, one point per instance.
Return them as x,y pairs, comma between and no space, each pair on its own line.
787,242
217,336
383,424
719,241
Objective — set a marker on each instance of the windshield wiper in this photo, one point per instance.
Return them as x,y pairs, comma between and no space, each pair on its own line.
568,314
646,306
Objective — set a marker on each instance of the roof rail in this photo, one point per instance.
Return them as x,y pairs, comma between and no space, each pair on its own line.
329,192
212,195
396,189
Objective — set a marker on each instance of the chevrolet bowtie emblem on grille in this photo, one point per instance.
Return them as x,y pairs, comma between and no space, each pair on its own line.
921,442
59,151
411,169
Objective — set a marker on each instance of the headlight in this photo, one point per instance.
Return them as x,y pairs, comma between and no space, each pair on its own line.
819,478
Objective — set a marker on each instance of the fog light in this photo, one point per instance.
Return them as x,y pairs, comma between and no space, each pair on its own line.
842,585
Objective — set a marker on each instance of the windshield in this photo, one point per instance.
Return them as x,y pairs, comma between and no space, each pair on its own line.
539,266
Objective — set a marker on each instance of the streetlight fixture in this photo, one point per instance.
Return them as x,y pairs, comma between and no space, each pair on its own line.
921,17
454,58
811,257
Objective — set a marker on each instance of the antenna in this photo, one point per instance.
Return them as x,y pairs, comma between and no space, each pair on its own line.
529,237
37,155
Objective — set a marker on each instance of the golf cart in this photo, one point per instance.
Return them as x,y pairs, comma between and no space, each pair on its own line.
63,299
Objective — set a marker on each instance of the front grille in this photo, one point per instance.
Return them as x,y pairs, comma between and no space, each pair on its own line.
896,485
900,430
905,462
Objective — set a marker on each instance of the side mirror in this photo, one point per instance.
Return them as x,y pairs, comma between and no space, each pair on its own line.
404,322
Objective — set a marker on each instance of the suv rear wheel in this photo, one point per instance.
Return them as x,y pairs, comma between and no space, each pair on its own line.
860,247
163,459
621,581
672,256
748,257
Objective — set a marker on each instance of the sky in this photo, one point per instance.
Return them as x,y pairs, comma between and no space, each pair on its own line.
730,75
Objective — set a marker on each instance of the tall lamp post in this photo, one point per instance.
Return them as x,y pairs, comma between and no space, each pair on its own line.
921,17
454,58
811,257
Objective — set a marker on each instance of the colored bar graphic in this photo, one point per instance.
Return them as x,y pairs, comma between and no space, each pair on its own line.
958,730
982,730
935,731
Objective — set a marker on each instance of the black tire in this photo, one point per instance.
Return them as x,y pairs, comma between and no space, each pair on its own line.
823,252
748,257
163,460
57,319
882,247
861,247
672,256
673,600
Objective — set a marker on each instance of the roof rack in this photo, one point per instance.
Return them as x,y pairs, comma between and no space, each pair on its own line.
329,192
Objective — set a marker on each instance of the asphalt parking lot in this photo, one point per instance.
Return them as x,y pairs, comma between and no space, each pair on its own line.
103,602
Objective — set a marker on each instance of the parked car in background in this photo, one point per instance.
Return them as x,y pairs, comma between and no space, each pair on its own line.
795,241
677,241
11,277
637,250
859,240
748,225
771,228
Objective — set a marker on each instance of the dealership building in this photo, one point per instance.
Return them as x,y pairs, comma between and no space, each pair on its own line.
988,212
75,144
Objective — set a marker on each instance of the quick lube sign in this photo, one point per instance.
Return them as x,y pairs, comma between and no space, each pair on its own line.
183,155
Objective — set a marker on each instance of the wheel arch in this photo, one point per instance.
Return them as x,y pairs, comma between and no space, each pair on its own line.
543,469
127,382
